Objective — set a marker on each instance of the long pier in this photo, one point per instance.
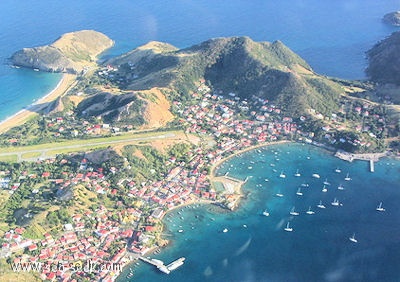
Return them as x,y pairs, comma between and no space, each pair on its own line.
363,157
161,266
157,263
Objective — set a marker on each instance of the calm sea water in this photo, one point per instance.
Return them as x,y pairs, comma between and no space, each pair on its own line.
256,248
331,35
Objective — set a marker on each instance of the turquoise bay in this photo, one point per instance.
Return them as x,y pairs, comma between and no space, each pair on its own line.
256,248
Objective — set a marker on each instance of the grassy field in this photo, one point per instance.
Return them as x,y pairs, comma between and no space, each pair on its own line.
9,158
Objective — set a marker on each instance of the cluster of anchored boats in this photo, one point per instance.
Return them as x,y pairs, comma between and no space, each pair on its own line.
320,205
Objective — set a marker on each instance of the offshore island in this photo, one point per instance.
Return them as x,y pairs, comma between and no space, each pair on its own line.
89,171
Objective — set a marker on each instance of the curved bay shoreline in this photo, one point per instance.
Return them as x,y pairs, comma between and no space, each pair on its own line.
66,82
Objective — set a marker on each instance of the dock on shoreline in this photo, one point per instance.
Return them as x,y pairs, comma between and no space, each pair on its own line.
371,157
343,155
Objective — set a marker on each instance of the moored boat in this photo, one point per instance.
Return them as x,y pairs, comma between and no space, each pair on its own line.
380,208
320,205
288,228
316,175
293,212
353,238
310,211
335,202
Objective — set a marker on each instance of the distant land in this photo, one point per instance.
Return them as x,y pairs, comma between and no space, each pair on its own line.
392,18
72,52
384,60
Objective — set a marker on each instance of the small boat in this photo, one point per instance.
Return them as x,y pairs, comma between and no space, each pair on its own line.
225,230
324,189
180,230
36,69
326,182
340,187
265,213
293,212
282,175
316,175
304,185
249,167
380,208
335,203
347,178
299,193
288,228
309,211
320,205
297,174
279,194
353,238
338,170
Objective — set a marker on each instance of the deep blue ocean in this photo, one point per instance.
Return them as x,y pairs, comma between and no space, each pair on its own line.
332,36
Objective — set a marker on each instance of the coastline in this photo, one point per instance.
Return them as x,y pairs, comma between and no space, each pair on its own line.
237,186
23,115
236,153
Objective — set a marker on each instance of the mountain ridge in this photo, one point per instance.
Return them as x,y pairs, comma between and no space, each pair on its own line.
232,64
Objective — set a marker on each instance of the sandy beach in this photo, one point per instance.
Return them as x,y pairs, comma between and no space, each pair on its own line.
218,163
22,116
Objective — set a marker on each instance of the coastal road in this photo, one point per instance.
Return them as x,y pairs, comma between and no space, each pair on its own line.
52,148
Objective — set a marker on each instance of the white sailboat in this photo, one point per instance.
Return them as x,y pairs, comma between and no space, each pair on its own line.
340,187
380,208
353,238
316,175
279,194
338,170
309,211
347,178
288,228
335,202
282,175
293,212
320,205
324,189
297,174
265,213
326,182
299,193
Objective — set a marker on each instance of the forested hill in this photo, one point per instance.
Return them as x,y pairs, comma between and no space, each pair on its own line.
234,64
384,60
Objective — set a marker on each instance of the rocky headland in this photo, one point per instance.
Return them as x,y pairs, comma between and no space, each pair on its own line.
71,53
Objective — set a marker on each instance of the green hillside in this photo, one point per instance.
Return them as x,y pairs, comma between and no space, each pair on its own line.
235,64
384,60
